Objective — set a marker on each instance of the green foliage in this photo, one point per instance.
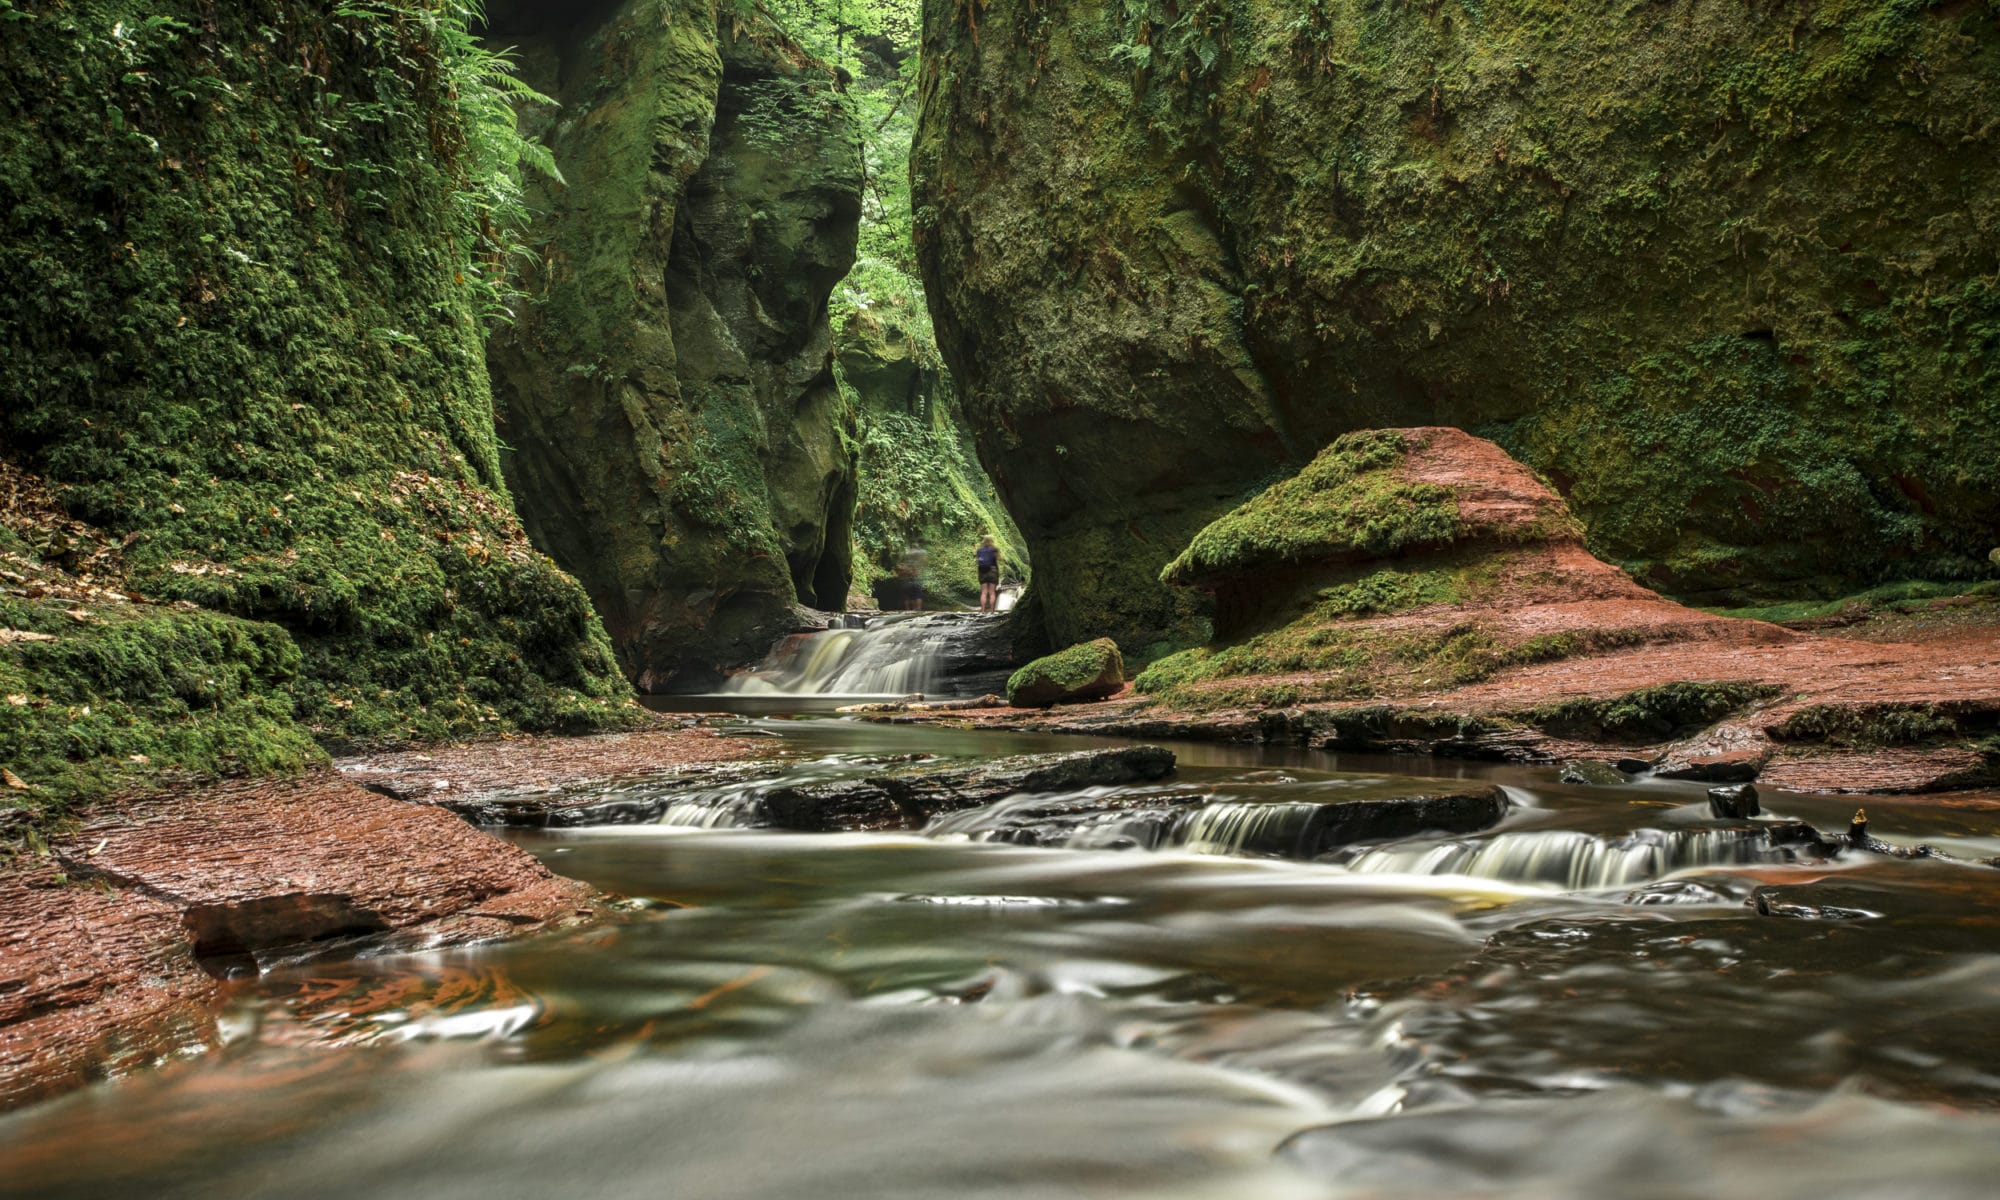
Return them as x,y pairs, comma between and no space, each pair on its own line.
1348,501
917,490
240,339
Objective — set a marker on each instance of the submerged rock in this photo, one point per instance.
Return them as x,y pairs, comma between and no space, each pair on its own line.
909,799
1591,773
1087,671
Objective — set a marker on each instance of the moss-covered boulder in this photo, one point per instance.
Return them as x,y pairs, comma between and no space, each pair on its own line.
1721,272
252,495
1085,671
678,440
1401,562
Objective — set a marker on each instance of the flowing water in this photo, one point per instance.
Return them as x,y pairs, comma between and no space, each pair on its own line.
894,654
1610,994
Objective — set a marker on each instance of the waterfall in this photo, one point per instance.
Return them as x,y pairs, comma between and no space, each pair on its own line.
893,656
1576,861
720,809
1248,828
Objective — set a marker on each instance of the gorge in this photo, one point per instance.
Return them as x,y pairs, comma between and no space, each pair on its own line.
1491,489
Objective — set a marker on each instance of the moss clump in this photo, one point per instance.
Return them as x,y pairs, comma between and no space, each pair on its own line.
1348,502
1086,671
1876,725
128,693
1651,714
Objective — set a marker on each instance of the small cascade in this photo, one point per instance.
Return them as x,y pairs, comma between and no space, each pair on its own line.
1575,861
1267,828
892,656
721,809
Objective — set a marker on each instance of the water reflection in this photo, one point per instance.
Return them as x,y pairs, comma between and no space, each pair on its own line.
904,1016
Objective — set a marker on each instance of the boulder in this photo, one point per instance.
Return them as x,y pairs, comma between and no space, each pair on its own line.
1086,671
1734,801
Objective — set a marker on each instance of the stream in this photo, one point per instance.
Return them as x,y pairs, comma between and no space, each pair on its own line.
1599,997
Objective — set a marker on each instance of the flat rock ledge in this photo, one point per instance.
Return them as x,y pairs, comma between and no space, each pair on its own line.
113,949
908,799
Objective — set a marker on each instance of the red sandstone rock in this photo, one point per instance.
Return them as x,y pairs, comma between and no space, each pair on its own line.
103,973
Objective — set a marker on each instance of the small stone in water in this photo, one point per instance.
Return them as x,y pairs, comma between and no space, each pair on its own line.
1592,773
1735,801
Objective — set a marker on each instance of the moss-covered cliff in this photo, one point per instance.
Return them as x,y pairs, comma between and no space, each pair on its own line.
252,497
678,440
1723,272
920,482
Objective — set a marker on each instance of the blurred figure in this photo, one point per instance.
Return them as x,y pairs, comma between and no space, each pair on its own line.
988,556
910,574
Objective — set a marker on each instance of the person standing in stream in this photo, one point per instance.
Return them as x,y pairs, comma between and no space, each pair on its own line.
988,556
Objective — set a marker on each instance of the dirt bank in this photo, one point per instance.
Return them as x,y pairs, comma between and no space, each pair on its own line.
113,948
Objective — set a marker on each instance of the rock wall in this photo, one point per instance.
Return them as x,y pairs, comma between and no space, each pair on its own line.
921,484
1724,273
250,496
678,440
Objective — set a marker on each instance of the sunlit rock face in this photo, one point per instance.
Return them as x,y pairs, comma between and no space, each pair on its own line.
1721,273
677,438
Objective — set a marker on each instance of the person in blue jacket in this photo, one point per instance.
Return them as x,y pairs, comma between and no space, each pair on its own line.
988,556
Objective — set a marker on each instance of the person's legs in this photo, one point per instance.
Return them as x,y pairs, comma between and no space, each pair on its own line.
986,597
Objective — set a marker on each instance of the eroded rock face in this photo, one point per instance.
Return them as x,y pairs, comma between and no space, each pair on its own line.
1708,267
679,442
232,374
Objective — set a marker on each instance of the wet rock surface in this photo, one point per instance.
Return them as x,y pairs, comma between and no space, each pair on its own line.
544,782
112,947
909,799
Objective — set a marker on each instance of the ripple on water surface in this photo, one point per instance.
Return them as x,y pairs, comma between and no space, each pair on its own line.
900,1016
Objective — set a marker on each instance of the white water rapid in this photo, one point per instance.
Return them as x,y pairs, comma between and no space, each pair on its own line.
893,656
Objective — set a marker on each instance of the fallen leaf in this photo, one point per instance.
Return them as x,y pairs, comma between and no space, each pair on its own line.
14,781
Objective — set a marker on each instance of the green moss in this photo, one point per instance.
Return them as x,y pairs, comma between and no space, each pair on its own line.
130,693
1347,502
237,341
919,485
1902,596
1876,725
1389,590
679,443
1651,714
1722,272
1083,671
